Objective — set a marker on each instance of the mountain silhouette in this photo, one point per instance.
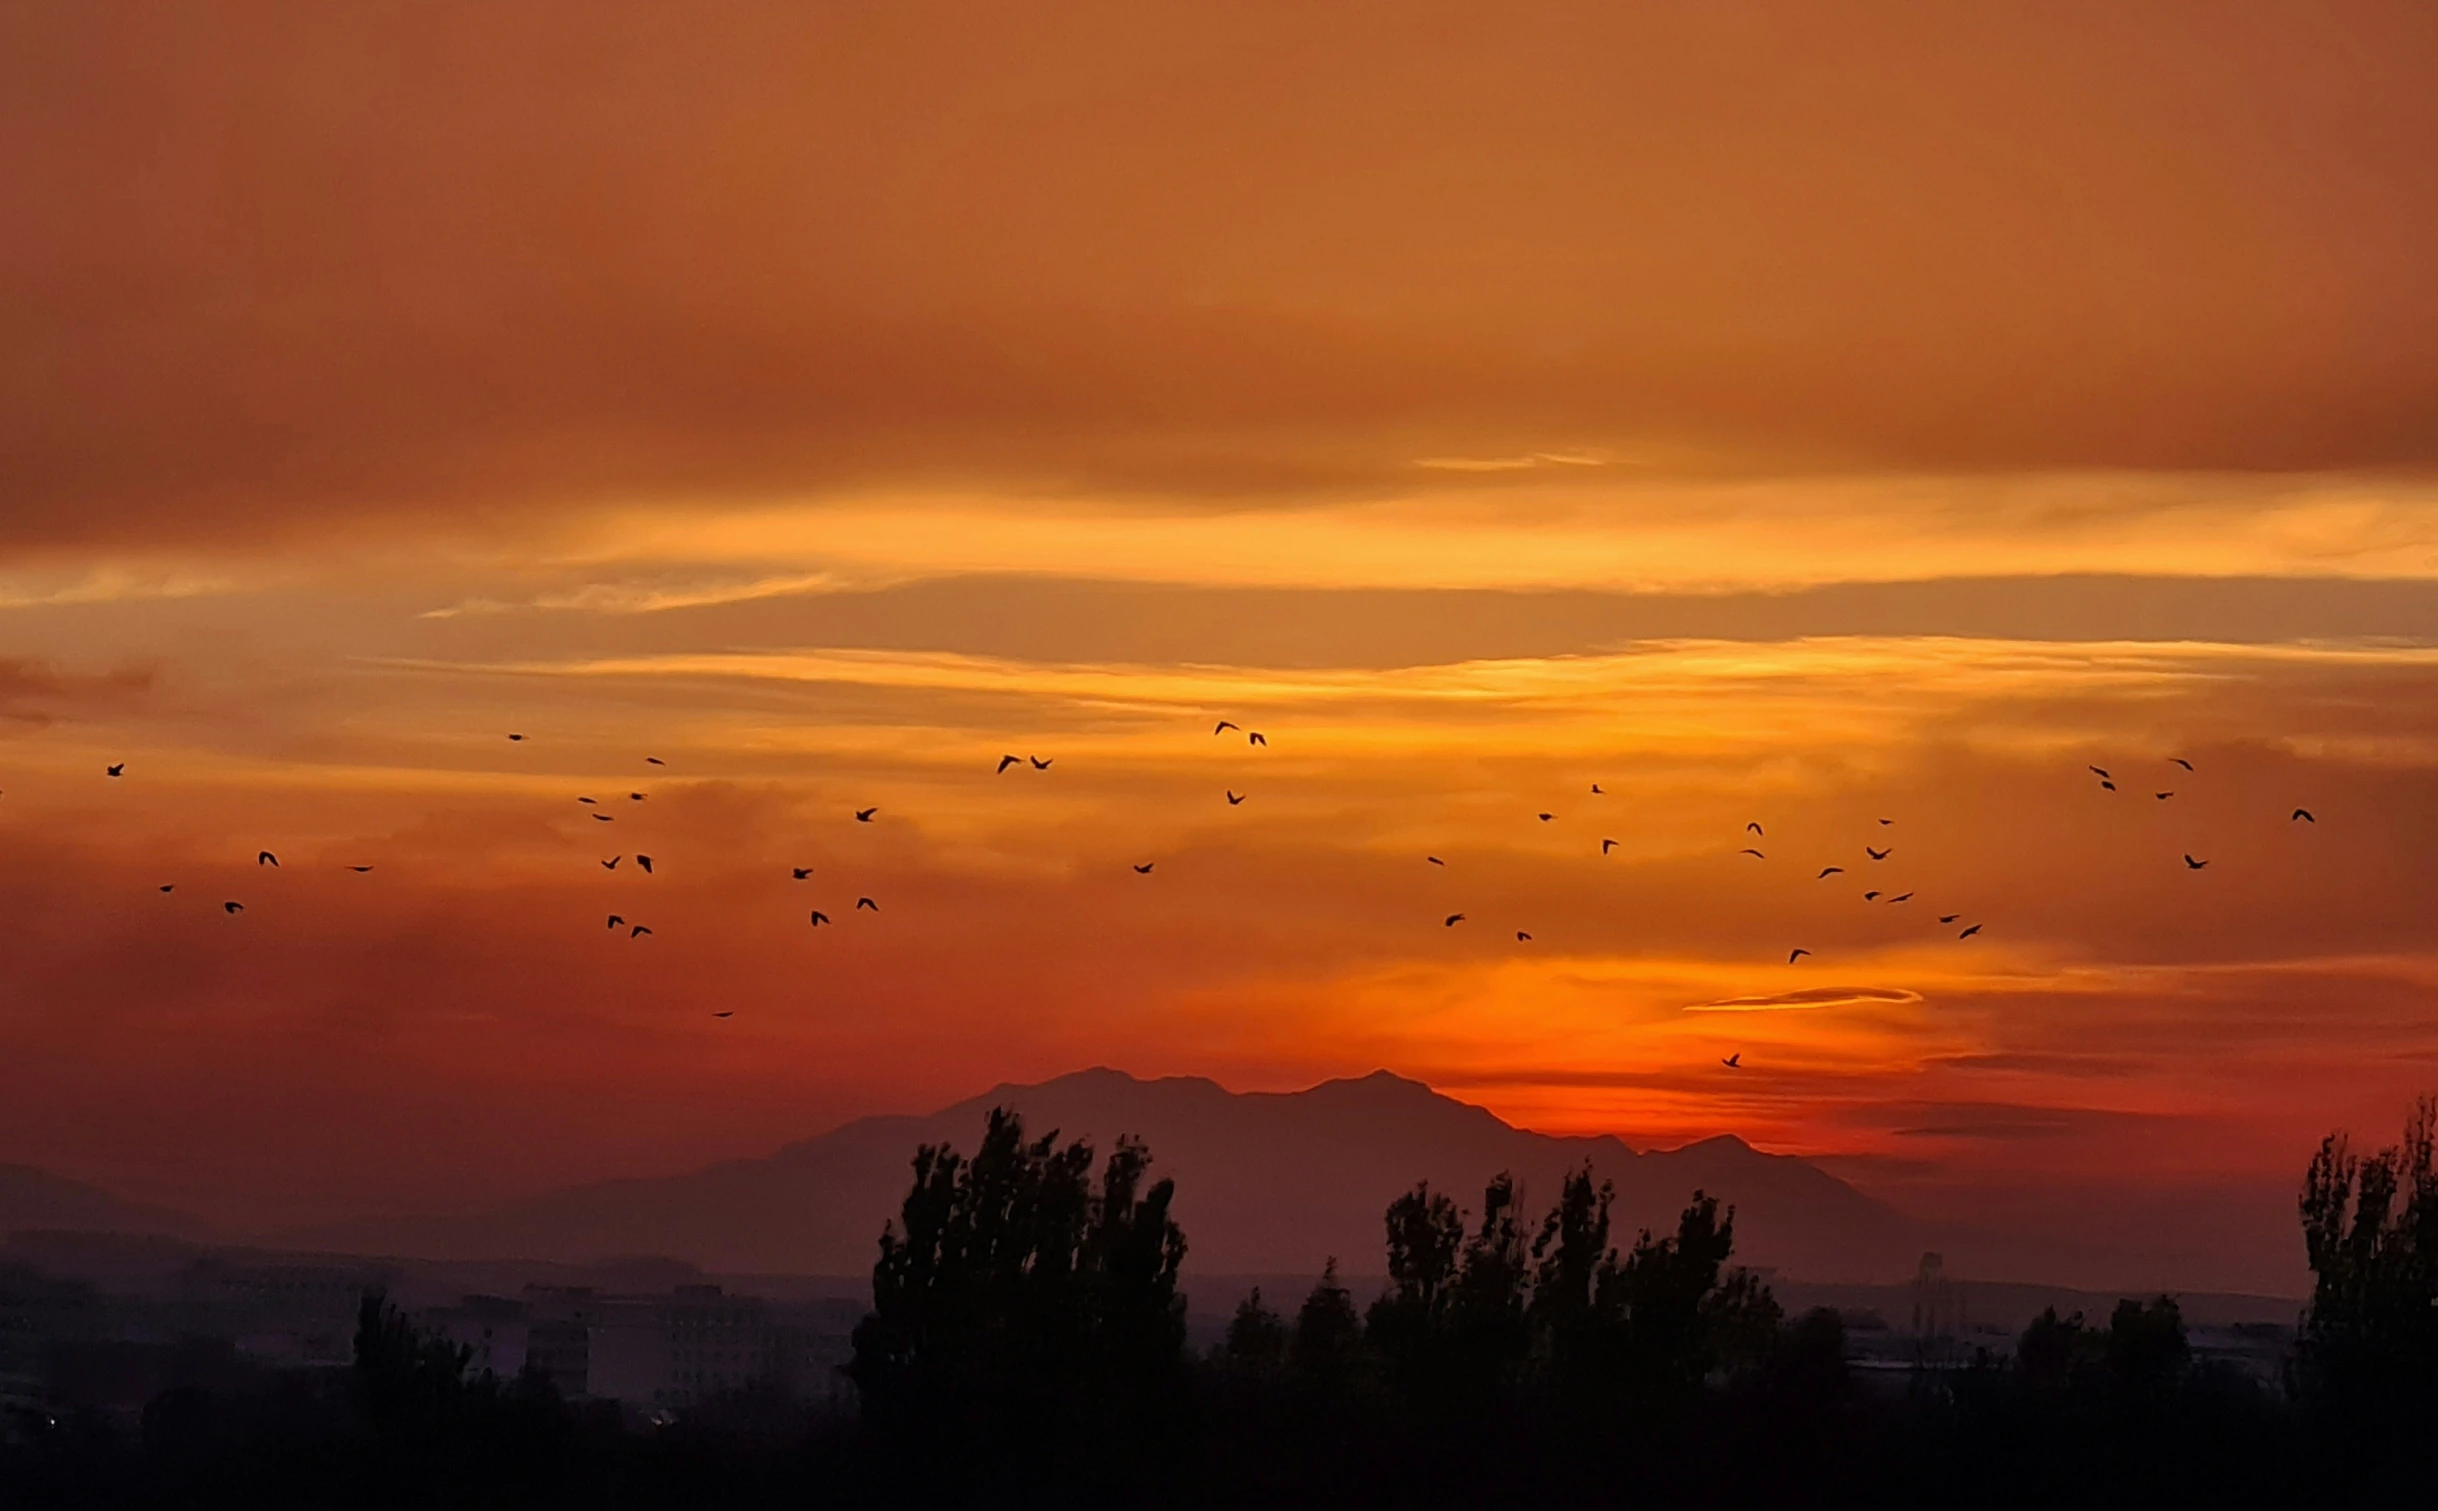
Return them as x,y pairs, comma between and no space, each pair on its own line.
1267,1183
34,1200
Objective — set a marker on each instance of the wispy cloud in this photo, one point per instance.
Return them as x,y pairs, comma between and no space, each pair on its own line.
1815,996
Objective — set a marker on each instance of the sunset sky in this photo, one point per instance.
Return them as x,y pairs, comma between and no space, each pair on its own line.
1772,412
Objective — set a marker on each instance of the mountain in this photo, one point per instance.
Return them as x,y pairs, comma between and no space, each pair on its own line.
35,1200
1267,1183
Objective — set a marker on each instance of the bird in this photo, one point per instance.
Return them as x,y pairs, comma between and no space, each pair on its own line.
1546,817
644,861
266,858
1607,845
799,872
359,870
868,904
1232,798
2162,796
1521,935
1755,854
1145,868
2304,814
118,770
637,932
654,761
1876,854
728,1014
616,922
1949,917
819,918
611,864
1734,1061
1901,897
516,737
1039,764
1434,860
634,797
1828,871
1887,821
172,887
1968,933
2110,786
232,907
1006,761
1595,790
1754,829
1794,955
2101,772
1255,738
1453,919
603,818
1223,727
1870,897
864,815
584,800
2191,864
2180,761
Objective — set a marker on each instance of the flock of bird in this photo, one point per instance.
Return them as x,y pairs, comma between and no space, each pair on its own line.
817,918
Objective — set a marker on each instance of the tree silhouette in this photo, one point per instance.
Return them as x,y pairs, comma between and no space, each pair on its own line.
2370,1232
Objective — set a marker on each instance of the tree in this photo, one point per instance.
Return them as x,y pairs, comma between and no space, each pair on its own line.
1685,1312
1256,1335
2370,1232
1328,1334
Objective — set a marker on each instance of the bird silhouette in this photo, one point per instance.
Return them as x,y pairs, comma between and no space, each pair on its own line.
1006,761
2304,814
1949,917
1968,933
1755,854
1734,1061
516,737
616,922
655,761
359,870
2180,761
1453,919
1886,821
1595,790
1145,868
1434,860
2162,796
266,858
1901,897
868,904
2101,772
1754,829
118,770
172,887
819,918
1039,764
1870,897
1828,871
1255,738
637,932
1521,935
584,800
611,864
644,861
634,797
864,815
2191,864
1794,955
1546,817
1233,798
603,818
2110,786
1607,845
799,872
1876,854
232,907
728,1014
1223,727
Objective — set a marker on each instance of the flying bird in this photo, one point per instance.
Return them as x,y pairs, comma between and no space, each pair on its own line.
1949,917
2191,864
1546,817
1255,738
1734,1061
118,770
1887,821
2101,772
2180,761
864,815
799,872
616,922
1794,955
359,870
2304,814
867,903
1145,868
819,918
1876,854
644,861
2162,796
655,761
728,1014
1039,764
1521,935
611,864
266,858
1901,897
1607,845
1755,854
584,800
634,797
1753,829
1232,798
1434,860
1006,761
172,887
2110,786
637,932
1828,871
1968,933
1595,790
1870,897
603,818
1453,920
1223,727
516,737
232,907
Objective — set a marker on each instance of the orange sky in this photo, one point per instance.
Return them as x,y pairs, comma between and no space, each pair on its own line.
1771,412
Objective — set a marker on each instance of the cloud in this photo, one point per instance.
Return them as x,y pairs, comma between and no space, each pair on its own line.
31,692
1814,996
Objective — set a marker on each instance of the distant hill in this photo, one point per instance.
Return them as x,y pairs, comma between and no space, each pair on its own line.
1268,1182
34,1200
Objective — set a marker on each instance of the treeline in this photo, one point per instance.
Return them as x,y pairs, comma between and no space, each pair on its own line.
1027,1347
